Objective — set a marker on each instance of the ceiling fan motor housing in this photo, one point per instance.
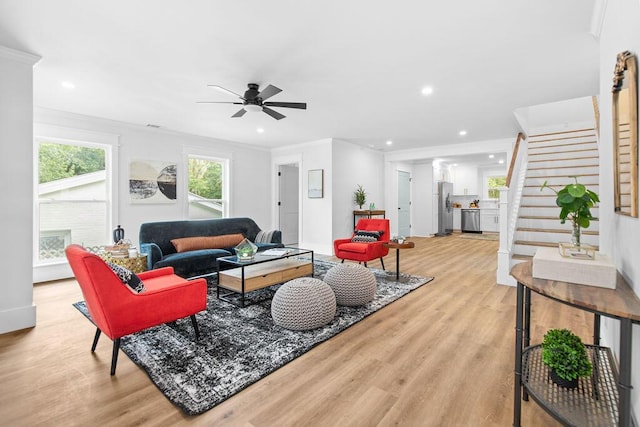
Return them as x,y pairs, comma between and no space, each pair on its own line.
252,93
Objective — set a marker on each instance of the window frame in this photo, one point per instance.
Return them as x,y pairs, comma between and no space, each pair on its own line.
225,159
58,268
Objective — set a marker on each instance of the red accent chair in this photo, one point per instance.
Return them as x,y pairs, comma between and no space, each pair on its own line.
117,310
361,251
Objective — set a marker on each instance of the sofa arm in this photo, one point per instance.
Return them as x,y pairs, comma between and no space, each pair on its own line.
277,236
153,252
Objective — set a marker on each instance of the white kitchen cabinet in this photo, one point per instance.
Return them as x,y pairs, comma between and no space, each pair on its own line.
490,220
457,222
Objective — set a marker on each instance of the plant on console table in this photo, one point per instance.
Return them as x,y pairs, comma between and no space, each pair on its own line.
360,196
566,356
575,202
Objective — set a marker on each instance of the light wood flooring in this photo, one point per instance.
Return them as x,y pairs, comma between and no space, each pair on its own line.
440,356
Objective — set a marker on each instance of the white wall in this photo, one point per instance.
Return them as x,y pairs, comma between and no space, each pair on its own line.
619,235
17,310
355,165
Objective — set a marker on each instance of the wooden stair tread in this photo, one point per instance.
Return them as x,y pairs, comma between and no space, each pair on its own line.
522,257
564,159
559,176
558,152
563,167
544,217
542,244
556,230
568,144
562,132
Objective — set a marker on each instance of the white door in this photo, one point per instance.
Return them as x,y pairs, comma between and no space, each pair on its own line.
288,201
404,204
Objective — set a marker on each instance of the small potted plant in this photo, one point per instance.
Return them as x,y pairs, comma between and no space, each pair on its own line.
566,357
359,196
575,202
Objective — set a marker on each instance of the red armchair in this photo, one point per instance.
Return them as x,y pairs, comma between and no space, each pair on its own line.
364,251
117,310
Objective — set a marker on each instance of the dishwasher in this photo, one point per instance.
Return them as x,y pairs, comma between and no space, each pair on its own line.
470,221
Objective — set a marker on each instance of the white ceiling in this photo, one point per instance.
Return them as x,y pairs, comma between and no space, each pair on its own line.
359,64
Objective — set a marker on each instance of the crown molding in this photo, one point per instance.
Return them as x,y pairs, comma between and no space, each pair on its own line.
597,18
19,56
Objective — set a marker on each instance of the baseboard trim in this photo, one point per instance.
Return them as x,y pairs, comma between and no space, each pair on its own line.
17,318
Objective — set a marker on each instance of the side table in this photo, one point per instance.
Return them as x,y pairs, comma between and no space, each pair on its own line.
397,246
137,264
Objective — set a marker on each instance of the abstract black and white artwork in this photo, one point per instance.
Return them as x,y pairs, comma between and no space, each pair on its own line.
152,181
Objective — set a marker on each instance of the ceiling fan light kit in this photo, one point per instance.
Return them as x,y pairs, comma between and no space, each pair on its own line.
254,101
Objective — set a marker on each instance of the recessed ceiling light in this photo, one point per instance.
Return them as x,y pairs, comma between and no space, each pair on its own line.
455,164
491,156
260,130
389,142
68,85
427,90
501,161
462,133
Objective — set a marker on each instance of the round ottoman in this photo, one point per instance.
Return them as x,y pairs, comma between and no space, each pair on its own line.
303,303
353,284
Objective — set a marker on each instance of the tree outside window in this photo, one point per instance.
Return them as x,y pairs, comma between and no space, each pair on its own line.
494,183
206,187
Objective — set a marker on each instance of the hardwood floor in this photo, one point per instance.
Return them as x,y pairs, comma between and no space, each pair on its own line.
440,356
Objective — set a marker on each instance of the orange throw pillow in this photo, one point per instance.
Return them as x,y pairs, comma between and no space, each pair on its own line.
186,244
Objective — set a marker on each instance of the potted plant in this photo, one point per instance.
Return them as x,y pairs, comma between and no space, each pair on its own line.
359,196
566,356
575,202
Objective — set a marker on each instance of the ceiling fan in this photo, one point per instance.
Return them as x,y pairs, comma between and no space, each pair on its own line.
254,100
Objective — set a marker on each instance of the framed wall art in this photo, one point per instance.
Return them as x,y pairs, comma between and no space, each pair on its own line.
152,181
316,184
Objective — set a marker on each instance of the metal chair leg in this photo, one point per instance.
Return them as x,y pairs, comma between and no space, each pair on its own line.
195,326
95,339
365,264
382,262
114,355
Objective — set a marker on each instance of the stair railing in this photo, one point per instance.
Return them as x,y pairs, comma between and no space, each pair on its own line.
509,204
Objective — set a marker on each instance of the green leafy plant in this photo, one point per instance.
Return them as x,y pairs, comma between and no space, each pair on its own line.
360,196
575,202
564,352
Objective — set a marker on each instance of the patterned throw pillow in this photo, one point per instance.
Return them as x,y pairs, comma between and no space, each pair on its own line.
366,236
127,277
264,236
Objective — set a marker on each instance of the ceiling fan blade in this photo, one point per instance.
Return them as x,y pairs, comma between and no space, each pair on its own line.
268,92
218,102
240,113
222,89
300,105
273,113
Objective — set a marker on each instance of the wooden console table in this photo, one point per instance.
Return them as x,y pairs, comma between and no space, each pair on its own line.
368,214
594,403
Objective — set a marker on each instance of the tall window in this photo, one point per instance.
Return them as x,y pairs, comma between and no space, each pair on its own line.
72,198
494,183
207,193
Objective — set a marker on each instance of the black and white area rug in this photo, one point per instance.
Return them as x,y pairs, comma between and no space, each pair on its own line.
238,346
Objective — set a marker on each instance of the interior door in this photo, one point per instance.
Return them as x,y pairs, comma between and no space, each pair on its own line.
288,203
404,204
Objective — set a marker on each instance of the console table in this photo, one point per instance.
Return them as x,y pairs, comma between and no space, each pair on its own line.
598,400
368,214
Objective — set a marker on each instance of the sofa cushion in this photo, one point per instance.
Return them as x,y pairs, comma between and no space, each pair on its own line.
186,244
192,263
265,236
127,277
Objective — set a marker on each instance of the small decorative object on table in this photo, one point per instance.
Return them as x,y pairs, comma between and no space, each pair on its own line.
575,202
118,234
566,356
246,250
360,196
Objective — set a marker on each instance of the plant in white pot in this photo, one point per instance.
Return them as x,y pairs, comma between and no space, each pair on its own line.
575,202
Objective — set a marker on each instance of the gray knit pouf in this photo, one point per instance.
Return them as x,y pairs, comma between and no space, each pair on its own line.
303,303
353,284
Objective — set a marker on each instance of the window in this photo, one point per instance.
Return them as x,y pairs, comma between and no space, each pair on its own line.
206,187
494,183
72,200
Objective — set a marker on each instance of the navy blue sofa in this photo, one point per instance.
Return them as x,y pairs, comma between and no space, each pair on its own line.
155,241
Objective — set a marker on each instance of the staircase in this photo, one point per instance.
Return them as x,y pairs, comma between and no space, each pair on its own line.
554,157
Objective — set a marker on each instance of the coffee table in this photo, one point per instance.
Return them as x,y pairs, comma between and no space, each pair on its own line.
260,272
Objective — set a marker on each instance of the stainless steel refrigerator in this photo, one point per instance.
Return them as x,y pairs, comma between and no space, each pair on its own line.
445,211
